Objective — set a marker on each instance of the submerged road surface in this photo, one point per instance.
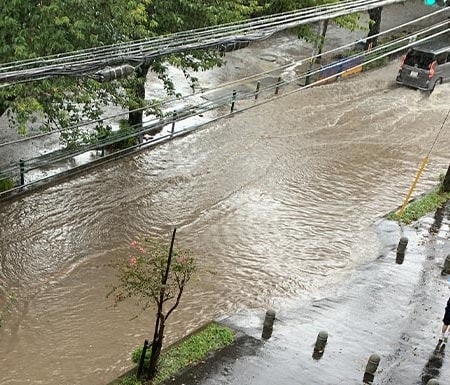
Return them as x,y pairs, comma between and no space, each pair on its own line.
278,202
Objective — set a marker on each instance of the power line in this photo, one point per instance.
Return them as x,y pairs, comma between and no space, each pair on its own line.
123,152
438,134
83,63
36,163
221,86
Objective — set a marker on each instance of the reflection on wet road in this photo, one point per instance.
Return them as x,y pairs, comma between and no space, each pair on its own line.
277,201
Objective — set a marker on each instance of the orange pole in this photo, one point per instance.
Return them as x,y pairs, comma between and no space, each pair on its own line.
405,202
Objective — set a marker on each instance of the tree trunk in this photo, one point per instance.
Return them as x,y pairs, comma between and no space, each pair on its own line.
322,40
374,27
446,184
156,349
135,118
322,31
160,318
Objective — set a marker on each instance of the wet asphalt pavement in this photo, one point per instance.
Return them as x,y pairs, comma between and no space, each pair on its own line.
390,309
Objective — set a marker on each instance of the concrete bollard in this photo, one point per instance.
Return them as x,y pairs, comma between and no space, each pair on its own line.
268,324
372,364
371,368
446,268
321,341
433,381
402,245
319,347
401,250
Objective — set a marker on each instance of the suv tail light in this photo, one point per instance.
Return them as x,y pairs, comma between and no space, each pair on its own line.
431,73
403,61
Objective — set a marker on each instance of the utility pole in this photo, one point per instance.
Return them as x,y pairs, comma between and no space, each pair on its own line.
317,51
446,183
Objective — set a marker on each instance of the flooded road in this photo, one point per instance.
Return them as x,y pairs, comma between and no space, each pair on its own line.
278,202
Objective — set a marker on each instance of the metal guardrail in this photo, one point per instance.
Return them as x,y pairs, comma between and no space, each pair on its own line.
13,180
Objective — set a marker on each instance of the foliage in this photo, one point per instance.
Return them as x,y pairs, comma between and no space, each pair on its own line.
189,352
6,184
140,275
35,29
31,30
152,277
123,138
308,32
421,206
42,28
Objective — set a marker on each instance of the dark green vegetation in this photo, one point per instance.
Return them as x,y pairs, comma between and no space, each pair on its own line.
423,205
6,184
31,30
188,352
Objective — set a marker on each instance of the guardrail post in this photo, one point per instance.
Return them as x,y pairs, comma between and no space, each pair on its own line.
22,172
257,90
233,98
174,118
278,85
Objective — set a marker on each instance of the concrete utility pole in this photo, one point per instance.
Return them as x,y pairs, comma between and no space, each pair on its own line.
446,184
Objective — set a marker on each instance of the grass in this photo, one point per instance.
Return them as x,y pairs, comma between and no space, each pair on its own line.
6,184
421,206
190,351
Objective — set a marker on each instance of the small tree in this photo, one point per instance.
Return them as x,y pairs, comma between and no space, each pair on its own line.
154,277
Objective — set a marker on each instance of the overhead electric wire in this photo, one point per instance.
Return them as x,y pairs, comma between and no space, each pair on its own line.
119,54
206,31
221,86
160,139
36,163
438,134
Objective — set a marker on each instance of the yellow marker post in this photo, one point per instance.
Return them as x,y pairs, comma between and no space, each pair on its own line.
405,202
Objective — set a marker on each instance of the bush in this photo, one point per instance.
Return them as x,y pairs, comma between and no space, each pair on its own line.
115,136
6,184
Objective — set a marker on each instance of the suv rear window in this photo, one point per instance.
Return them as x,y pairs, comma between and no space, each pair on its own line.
419,59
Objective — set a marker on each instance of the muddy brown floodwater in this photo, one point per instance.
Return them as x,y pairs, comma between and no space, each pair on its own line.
277,201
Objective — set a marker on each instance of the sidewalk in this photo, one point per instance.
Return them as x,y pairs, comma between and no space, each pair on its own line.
385,308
